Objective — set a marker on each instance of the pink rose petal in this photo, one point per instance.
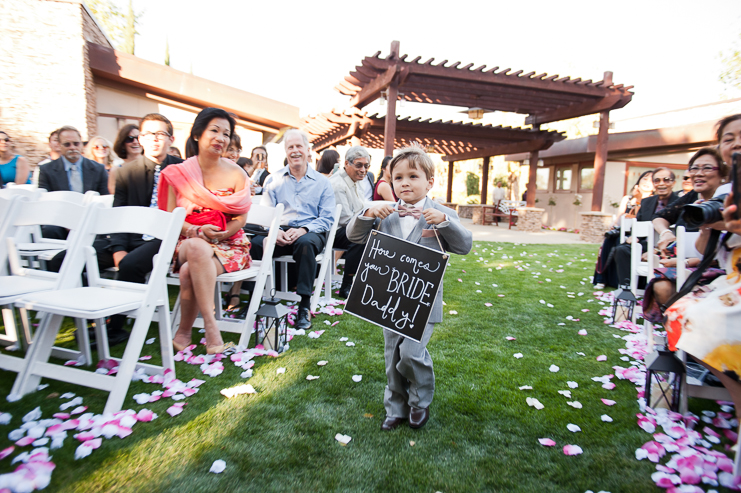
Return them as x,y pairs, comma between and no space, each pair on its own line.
572,450
608,386
601,357
608,402
6,452
25,441
546,442
510,338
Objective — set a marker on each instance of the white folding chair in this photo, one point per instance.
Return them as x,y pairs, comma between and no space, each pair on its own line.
626,223
639,268
323,259
22,281
103,298
260,271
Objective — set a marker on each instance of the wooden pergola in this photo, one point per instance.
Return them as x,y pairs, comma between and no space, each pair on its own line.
543,98
455,140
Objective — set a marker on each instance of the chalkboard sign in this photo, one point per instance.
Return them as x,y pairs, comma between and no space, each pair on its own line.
396,284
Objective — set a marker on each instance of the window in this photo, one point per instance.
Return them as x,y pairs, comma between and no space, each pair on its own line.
563,178
586,178
542,178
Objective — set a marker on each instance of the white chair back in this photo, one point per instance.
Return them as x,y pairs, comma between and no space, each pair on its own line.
626,223
21,192
8,209
685,250
638,268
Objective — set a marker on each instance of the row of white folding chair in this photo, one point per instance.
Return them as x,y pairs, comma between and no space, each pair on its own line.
20,281
103,298
260,271
323,259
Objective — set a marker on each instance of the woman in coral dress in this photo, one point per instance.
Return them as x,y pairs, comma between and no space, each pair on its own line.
215,192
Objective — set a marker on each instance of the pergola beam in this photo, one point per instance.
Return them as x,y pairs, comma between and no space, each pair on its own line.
529,146
573,111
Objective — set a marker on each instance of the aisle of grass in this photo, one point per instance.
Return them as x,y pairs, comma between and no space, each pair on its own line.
482,436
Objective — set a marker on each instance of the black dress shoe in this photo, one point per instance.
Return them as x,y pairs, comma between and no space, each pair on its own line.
345,288
391,423
418,417
304,319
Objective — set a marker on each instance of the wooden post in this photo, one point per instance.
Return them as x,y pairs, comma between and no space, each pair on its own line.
533,175
451,169
389,133
600,154
485,185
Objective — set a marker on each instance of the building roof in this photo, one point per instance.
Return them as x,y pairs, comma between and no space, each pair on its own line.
544,98
456,140
630,144
266,114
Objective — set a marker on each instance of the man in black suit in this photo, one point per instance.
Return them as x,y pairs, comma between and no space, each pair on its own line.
136,185
663,180
71,172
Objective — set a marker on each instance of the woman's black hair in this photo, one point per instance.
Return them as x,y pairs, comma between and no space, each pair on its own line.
327,161
649,172
385,162
201,124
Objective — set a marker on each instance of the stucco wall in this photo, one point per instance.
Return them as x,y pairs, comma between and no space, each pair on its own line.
44,75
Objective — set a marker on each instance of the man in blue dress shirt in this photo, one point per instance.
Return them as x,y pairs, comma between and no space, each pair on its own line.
308,215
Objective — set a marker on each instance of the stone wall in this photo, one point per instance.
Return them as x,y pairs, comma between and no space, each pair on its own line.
530,219
44,74
593,226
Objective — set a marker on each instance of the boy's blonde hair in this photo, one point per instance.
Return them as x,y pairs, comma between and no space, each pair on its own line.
417,159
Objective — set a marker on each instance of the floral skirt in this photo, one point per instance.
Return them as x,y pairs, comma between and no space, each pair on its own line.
233,253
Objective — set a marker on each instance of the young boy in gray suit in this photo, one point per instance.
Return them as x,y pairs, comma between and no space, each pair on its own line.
409,373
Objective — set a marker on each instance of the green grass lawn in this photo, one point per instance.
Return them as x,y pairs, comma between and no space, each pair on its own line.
482,435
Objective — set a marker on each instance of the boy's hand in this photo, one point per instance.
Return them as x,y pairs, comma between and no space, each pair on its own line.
732,224
381,211
433,216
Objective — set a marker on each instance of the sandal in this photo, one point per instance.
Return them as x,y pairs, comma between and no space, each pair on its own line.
220,348
232,307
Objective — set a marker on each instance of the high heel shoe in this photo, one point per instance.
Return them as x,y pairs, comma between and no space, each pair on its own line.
179,347
220,348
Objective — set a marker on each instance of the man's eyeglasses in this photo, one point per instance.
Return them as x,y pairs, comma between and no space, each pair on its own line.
70,144
668,179
150,135
361,165
705,169
130,139
101,147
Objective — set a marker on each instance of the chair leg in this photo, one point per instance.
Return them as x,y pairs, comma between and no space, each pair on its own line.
319,280
26,322
39,351
11,335
261,282
683,388
175,315
128,362
165,332
101,339
83,340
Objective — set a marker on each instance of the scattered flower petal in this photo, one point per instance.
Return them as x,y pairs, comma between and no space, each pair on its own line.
343,439
546,442
572,450
573,428
218,466
357,378
554,368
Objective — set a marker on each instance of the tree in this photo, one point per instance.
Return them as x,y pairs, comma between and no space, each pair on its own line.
731,60
167,52
472,184
119,27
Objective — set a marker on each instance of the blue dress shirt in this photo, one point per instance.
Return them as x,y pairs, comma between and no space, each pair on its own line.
308,203
67,168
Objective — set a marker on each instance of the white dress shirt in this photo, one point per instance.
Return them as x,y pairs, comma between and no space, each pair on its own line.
408,222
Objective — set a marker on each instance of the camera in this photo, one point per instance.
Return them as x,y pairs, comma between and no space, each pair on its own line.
695,215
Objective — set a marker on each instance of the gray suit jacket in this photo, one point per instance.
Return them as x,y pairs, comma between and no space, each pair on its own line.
453,236
53,177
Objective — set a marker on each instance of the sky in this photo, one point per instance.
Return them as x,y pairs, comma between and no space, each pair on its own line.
296,52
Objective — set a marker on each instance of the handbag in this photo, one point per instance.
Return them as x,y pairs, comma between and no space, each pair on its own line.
212,217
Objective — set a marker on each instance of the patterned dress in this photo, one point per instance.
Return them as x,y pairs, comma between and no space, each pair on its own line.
233,253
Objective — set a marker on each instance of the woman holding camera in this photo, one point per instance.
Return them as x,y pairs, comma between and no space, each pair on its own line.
708,172
682,315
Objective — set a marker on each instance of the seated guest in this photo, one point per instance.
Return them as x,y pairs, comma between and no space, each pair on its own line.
686,185
703,321
13,167
259,157
175,152
215,193
708,172
127,147
384,190
136,185
98,149
55,152
307,217
613,267
327,162
346,186
246,164
234,149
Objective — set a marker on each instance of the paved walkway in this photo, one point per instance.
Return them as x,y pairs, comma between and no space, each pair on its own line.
502,234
